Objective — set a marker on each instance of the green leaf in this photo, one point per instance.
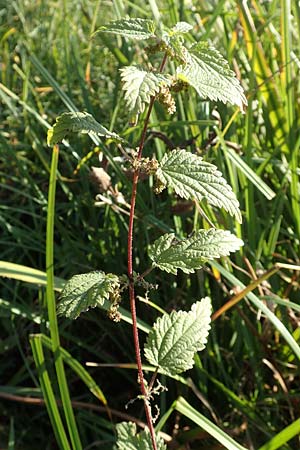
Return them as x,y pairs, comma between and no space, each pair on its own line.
139,86
209,73
181,28
85,291
81,122
130,28
191,177
192,253
127,439
175,338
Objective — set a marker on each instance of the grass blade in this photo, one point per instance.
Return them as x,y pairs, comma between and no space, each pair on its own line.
11,438
51,305
289,99
261,306
78,369
182,406
283,437
241,165
27,274
39,359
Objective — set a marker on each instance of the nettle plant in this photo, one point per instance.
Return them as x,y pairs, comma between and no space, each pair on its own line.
175,337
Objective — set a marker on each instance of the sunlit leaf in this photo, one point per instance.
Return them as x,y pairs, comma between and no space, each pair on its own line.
85,291
139,86
127,439
192,253
130,28
191,177
209,73
76,122
175,337
181,28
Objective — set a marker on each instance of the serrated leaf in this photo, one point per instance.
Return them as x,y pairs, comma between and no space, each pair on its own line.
181,27
209,73
80,122
176,337
130,28
127,439
139,86
192,253
191,177
85,291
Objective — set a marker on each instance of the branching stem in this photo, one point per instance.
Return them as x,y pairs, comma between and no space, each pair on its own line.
130,272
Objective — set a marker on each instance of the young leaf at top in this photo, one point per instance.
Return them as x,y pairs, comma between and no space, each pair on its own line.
130,28
176,337
127,439
85,291
191,177
139,85
209,73
181,28
81,122
192,253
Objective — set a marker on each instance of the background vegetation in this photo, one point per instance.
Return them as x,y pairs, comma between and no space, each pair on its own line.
247,380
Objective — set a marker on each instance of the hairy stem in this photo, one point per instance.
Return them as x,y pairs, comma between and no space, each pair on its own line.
130,273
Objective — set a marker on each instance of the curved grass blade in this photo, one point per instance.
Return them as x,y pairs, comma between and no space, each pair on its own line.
282,437
261,306
182,406
11,437
57,424
77,368
241,165
51,306
28,275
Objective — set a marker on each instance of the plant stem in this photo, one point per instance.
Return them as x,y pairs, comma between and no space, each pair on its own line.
130,272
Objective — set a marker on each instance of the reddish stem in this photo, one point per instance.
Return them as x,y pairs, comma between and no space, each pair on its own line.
130,273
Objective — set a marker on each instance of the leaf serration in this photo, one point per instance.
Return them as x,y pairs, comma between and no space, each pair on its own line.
191,177
176,337
192,253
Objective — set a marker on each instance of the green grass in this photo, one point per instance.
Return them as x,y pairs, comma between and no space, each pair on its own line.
245,383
